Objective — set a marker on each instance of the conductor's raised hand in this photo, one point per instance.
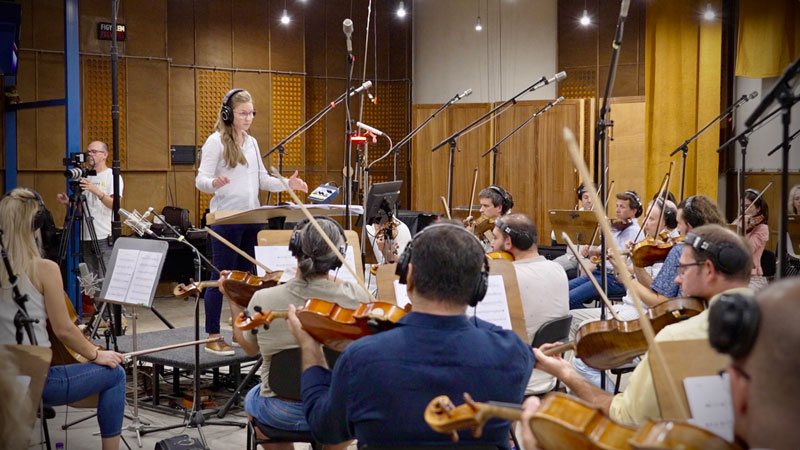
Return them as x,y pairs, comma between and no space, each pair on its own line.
220,181
297,184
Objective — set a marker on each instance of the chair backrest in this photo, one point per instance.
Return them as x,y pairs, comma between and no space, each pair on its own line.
768,263
553,331
285,371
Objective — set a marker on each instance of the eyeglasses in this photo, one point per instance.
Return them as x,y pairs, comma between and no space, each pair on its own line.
93,152
246,114
681,269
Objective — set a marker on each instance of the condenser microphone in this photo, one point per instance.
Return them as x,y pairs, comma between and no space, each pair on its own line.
464,94
372,130
364,87
88,280
752,95
347,27
623,14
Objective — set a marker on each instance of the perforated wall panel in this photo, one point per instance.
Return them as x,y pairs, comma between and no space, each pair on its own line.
211,88
98,124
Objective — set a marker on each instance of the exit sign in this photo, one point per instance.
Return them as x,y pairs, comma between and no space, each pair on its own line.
104,31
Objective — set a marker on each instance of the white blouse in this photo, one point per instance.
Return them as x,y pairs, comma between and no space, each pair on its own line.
241,193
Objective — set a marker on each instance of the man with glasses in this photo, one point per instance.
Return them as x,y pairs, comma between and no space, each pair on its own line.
99,192
713,261
762,337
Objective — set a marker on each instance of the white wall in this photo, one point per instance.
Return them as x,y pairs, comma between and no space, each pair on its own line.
516,47
763,140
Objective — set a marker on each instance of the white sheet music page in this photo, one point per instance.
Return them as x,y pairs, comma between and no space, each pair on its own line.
400,294
134,275
494,307
278,257
710,404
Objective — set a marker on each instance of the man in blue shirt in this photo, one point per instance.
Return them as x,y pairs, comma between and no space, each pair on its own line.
628,208
378,391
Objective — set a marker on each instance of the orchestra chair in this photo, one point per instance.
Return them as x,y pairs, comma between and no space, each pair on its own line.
285,383
621,370
554,330
768,264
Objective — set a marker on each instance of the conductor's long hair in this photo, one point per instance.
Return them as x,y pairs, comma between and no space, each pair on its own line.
232,153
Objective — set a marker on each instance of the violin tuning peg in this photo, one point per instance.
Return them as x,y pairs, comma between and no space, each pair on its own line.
266,326
374,325
254,330
257,308
246,314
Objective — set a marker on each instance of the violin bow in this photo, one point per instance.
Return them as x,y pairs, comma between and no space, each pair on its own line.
130,355
650,208
647,327
596,198
321,232
664,199
474,185
237,249
589,273
741,220
446,210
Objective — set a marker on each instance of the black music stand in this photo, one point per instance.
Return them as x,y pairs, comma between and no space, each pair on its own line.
380,201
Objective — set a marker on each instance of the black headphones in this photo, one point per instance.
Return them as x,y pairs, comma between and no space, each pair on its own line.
41,214
728,258
405,259
226,113
670,214
296,241
507,202
733,323
635,202
581,190
521,239
692,216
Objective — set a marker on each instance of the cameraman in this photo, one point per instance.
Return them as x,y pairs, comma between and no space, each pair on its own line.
100,200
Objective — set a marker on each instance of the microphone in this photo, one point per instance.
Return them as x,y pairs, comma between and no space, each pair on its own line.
88,280
347,27
372,130
623,14
557,77
464,94
752,95
135,221
364,87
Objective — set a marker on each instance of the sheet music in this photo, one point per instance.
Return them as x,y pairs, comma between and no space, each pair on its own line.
710,404
134,274
493,308
278,257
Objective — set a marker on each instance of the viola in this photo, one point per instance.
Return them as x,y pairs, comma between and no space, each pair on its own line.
500,255
620,224
651,250
606,344
63,355
562,421
332,325
677,435
482,225
240,286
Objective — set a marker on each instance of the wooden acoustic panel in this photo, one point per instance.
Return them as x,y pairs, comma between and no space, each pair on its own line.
184,193
97,123
148,102
146,27
286,49
423,161
144,190
181,107
213,33
180,31
50,122
315,102
48,34
251,40
626,153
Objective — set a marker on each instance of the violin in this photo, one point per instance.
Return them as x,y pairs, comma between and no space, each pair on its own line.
332,325
500,255
482,225
606,344
63,355
753,222
240,286
620,224
651,250
563,421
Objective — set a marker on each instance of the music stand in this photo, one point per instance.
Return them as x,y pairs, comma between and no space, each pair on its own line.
380,201
580,226
131,280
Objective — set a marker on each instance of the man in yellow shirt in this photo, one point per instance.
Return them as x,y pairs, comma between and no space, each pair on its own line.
714,261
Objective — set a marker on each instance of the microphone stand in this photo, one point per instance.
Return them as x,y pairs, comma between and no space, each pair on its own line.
116,225
494,150
601,147
451,140
348,148
684,148
22,321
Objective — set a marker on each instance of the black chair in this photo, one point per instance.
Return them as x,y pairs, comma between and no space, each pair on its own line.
554,330
285,383
768,263
619,371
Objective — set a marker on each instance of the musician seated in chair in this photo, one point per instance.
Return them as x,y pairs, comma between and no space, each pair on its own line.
315,261
763,341
543,285
628,208
382,383
714,261
567,260
40,280
495,202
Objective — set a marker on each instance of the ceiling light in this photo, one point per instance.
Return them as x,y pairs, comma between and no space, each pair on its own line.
585,19
709,13
478,26
401,10
285,18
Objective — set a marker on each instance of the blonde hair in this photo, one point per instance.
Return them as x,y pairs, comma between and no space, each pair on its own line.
232,153
22,243
792,192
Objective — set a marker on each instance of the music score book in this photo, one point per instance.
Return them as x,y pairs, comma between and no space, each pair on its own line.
134,271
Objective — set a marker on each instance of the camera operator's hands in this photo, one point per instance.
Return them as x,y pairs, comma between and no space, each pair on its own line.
87,185
62,198
220,181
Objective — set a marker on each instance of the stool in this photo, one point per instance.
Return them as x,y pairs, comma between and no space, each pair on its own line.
619,371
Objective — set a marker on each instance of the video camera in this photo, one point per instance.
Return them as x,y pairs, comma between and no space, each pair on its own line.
78,172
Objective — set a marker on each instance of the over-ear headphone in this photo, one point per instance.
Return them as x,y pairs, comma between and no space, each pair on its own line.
692,216
635,202
733,323
729,258
507,202
521,239
670,215
405,259
581,190
41,213
226,113
296,241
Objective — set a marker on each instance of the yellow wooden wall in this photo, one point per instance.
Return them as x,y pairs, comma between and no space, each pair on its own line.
179,59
